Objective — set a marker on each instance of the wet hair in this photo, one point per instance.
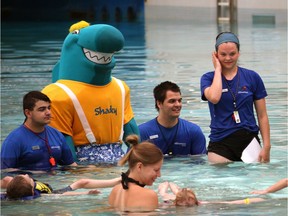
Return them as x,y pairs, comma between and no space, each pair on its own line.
145,152
18,188
161,89
186,196
225,37
30,99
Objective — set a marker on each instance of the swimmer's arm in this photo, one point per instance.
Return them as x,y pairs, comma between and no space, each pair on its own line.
88,184
243,201
91,183
174,188
278,186
73,193
163,192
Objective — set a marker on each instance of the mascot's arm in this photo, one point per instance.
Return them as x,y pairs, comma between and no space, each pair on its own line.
55,72
130,128
70,143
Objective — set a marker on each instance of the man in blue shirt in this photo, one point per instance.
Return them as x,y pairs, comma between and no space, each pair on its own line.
173,135
34,145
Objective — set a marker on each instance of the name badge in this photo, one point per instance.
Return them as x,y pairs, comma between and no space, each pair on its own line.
236,117
153,136
37,147
180,144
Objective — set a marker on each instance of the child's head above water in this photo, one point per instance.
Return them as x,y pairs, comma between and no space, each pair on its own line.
20,186
186,197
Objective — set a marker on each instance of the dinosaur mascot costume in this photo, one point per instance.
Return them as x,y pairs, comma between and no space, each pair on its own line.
89,106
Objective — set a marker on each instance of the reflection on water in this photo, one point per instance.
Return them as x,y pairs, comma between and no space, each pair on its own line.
157,50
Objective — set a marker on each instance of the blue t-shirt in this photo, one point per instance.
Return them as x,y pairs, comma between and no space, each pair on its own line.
25,150
250,88
185,138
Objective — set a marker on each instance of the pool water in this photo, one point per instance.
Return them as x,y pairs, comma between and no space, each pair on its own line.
210,183
157,49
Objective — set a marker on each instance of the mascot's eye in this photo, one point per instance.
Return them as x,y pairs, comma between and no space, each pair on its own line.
76,31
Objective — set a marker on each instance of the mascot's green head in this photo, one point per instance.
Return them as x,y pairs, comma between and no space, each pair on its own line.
88,53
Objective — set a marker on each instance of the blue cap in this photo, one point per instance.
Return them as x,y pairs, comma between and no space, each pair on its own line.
226,37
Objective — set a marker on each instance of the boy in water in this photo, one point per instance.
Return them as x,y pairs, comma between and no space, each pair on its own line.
25,187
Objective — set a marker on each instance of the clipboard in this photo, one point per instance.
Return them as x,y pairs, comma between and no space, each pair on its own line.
251,152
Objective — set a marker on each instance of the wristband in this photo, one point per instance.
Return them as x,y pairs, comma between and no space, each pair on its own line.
63,190
247,201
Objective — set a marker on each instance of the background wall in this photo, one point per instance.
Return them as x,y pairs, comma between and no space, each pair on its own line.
247,11
259,4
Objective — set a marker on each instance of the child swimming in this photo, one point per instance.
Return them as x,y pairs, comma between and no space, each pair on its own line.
26,188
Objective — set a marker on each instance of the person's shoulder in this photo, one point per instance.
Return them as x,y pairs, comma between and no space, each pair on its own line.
117,80
188,123
116,189
48,88
16,132
50,128
147,124
143,198
150,195
191,128
18,129
146,193
246,70
54,131
208,74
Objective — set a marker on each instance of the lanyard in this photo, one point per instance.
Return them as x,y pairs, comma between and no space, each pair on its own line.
236,91
170,145
51,158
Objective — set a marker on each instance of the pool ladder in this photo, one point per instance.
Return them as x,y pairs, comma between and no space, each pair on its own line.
226,11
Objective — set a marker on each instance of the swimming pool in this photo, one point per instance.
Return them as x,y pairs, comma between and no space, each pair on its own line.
157,49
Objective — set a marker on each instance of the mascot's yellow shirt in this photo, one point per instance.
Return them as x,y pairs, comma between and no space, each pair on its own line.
102,106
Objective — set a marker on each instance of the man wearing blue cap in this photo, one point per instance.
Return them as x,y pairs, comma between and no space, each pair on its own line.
231,92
